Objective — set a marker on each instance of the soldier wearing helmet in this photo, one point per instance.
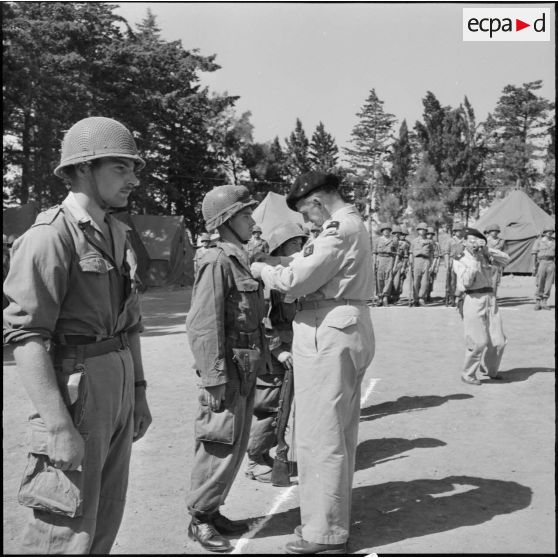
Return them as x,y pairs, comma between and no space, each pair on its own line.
544,266
256,245
400,264
227,338
202,247
72,283
421,256
453,250
284,241
434,262
385,251
333,344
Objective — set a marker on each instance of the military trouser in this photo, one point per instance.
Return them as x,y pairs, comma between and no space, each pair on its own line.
221,442
332,349
398,279
262,432
421,277
545,279
384,275
484,335
104,416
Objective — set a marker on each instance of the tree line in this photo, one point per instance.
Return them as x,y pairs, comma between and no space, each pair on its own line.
65,61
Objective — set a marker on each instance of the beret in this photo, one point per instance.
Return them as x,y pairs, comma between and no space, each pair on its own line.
307,183
469,231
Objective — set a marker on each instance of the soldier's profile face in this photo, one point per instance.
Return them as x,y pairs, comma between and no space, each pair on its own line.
116,179
242,223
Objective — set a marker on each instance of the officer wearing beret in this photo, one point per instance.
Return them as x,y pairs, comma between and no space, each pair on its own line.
256,244
493,240
227,338
544,266
453,250
332,347
482,321
72,287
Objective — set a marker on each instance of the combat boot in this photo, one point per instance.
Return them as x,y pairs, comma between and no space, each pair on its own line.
538,305
207,536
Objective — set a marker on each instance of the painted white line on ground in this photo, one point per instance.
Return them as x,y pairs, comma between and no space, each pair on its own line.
258,526
369,390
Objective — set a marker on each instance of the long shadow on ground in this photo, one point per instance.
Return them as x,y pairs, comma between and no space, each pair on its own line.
506,301
395,511
406,403
520,374
373,452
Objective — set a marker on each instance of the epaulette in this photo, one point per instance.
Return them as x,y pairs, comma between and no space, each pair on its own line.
47,217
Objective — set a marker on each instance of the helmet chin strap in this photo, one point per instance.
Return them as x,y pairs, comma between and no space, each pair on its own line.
97,195
235,234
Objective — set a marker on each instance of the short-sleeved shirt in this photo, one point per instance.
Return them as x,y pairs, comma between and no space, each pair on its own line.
336,265
386,246
544,247
67,278
422,247
454,247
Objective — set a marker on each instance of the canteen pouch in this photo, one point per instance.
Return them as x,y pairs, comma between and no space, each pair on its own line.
218,426
45,487
248,363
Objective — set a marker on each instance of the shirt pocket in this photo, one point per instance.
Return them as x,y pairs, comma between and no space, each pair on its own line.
248,309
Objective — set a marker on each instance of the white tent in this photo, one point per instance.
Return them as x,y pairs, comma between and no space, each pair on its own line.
273,211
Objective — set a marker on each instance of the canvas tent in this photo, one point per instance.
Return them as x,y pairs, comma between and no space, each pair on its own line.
273,211
16,220
521,221
168,247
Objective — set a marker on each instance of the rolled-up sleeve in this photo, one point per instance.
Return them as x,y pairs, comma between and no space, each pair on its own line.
36,284
206,324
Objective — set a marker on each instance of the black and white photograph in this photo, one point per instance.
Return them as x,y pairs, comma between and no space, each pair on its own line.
279,278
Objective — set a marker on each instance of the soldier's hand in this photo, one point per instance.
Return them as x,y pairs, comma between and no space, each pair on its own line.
142,414
256,269
214,395
66,448
286,359
266,258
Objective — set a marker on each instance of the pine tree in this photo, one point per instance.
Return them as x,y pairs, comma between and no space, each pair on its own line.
371,138
323,150
297,158
401,162
519,135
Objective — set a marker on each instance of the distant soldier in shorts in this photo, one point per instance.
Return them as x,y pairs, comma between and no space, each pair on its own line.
421,256
385,251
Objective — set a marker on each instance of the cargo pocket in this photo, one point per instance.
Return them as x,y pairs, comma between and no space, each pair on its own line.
45,487
218,426
248,363
340,322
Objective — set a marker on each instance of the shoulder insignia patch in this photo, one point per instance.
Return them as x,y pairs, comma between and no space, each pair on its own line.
309,250
333,225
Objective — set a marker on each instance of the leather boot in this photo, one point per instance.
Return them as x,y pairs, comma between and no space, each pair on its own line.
306,548
207,536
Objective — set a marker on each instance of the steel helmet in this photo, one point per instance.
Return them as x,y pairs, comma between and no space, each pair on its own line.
422,225
430,230
223,202
404,230
256,228
396,229
384,226
96,137
284,232
492,228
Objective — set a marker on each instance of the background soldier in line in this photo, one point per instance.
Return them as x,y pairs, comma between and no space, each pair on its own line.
453,250
333,345
256,244
72,288
493,240
384,258
203,246
544,267
434,263
406,251
227,338
482,321
285,240
400,265
421,254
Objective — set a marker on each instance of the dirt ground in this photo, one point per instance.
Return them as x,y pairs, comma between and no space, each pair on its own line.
442,467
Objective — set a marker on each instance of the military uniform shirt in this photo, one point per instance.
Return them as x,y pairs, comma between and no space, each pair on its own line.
66,278
336,265
386,246
255,245
544,247
422,247
497,243
454,247
473,273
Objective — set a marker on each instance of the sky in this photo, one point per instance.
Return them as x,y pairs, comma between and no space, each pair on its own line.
319,61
